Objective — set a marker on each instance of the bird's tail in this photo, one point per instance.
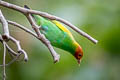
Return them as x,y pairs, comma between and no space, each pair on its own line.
37,18
25,6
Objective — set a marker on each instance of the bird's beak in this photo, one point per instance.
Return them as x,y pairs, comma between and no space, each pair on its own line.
79,61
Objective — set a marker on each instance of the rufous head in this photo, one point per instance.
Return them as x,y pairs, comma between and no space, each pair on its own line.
78,54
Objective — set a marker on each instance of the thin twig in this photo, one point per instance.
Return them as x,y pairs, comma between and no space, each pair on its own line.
19,49
22,27
4,55
33,24
12,52
12,61
56,56
1,39
51,17
5,26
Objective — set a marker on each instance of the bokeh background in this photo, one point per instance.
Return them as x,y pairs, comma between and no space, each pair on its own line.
99,18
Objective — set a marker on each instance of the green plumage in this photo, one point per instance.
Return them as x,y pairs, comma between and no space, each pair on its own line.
55,35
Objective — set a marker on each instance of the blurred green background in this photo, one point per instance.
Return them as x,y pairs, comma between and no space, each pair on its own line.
99,18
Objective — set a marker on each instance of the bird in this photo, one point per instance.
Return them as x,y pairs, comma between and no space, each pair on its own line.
58,35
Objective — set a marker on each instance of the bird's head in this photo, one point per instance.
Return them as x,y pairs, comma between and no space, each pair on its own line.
78,54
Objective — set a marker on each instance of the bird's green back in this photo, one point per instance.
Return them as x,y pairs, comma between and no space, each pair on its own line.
55,35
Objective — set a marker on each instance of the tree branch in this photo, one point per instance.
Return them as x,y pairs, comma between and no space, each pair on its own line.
12,61
19,49
17,55
6,36
46,15
4,55
11,51
22,27
5,27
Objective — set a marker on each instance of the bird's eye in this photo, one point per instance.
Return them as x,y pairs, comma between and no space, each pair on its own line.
79,55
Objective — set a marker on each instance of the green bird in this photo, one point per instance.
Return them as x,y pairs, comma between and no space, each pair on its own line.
59,36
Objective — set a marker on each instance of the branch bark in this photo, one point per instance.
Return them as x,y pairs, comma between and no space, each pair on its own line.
22,27
19,49
5,27
4,57
6,37
12,52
